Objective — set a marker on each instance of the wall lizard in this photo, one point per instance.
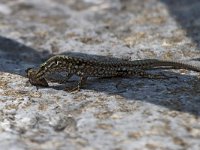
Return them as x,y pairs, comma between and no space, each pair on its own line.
84,68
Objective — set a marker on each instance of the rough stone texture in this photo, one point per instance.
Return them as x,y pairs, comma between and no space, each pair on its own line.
115,113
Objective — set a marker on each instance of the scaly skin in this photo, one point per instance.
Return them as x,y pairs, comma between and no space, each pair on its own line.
96,68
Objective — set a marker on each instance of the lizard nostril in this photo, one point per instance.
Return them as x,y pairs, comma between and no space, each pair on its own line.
28,69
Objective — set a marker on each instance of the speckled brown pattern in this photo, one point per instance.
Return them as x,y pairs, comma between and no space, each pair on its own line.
84,68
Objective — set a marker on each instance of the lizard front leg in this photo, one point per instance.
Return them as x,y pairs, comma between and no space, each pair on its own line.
81,82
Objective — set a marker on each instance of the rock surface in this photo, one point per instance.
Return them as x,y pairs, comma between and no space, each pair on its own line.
128,113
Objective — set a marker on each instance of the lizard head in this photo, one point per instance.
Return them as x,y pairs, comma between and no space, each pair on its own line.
32,75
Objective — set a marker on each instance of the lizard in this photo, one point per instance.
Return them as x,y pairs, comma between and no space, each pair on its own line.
84,68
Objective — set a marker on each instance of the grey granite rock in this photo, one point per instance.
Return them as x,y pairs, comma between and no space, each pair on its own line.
129,113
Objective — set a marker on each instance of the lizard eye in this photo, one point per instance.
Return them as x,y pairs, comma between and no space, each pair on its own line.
57,62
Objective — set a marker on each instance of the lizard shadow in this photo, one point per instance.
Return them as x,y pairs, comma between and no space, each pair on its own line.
181,95
187,15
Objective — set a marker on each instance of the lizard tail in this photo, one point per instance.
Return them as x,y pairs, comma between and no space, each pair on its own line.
175,65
